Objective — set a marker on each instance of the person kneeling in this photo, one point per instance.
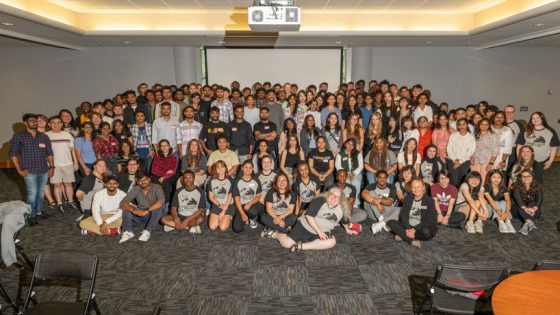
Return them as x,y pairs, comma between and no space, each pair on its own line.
149,198
105,210
187,207
417,219
312,229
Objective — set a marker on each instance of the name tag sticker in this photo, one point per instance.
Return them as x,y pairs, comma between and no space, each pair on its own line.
345,158
173,126
113,144
267,127
234,129
423,207
42,145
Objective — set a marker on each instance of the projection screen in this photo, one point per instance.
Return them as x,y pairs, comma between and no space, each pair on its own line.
303,66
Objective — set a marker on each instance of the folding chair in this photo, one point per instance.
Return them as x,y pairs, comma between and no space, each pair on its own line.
463,289
64,266
21,251
7,298
547,265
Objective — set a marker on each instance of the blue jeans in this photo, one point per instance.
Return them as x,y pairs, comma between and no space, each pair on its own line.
357,183
35,188
371,178
149,221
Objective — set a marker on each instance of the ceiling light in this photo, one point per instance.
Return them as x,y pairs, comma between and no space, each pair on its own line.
338,42
7,24
222,42
429,42
127,42
538,24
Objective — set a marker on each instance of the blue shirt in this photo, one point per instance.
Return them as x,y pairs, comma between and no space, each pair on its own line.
366,116
86,150
32,151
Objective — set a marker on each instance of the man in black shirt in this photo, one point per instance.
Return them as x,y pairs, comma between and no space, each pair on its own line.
210,132
207,98
240,136
200,109
266,129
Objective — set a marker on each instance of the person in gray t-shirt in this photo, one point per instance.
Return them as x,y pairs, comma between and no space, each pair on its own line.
187,206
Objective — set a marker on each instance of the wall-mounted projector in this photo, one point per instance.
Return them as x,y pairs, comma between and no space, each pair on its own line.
274,17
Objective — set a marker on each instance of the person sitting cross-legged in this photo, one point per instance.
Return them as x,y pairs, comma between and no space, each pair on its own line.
357,215
105,210
379,198
147,209
417,219
311,232
187,207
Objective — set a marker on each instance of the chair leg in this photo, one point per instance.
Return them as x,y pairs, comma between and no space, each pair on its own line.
8,298
21,251
422,305
95,306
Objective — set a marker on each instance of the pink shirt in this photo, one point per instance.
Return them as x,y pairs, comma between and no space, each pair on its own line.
442,138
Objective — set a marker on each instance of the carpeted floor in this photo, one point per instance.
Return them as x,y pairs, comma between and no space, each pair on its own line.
227,273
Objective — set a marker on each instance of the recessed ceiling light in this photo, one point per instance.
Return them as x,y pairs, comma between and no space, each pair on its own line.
338,42
127,42
222,42
429,42
7,24
538,24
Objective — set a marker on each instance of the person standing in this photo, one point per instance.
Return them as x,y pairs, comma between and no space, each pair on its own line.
188,129
224,105
240,135
141,133
165,128
274,108
32,155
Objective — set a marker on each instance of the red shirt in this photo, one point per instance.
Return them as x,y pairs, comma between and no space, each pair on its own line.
164,166
104,148
424,141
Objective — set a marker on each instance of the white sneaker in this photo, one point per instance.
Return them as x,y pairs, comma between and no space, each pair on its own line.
510,228
253,224
478,227
197,229
470,227
127,235
377,227
502,227
192,230
167,228
145,236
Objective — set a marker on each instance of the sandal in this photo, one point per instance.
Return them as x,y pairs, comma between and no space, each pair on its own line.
267,232
52,205
296,247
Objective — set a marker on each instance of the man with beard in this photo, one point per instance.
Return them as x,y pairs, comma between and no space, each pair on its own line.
210,132
274,108
105,211
188,129
224,105
187,207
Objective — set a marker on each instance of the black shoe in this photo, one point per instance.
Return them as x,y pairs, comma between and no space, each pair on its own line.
60,208
32,221
72,205
43,215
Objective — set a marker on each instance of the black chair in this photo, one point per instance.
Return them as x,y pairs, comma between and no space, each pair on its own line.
547,265
7,298
21,251
451,289
64,266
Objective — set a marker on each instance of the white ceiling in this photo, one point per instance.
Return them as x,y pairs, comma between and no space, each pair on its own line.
463,6
520,29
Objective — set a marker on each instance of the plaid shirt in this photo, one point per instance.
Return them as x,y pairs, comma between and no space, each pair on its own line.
134,133
32,151
186,133
226,110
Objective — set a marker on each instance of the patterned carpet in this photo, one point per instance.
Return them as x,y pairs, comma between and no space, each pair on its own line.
227,273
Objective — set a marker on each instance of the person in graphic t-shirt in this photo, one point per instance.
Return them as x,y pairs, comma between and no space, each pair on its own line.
445,195
220,196
187,207
279,206
246,195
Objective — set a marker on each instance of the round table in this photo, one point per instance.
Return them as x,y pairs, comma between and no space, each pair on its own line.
533,292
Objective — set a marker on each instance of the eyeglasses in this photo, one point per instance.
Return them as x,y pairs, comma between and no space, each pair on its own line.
526,176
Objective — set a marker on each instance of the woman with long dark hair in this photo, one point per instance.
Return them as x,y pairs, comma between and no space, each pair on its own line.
279,207
106,147
410,156
528,197
441,134
120,132
354,130
220,196
333,133
164,168
445,196
380,158
246,195
308,135
431,165
329,109
321,163
351,160
261,151
543,139
288,129
526,161
499,201
195,160
471,202
486,150
394,135
68,122
460,148
291,157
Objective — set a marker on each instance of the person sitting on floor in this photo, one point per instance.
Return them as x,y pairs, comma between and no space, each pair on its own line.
499,200
247,196
187,206
417,219
445,195
220,197
90,185
147,209
127,179
106,215
471,202
528,196
312,231
357,215
379,198
306,187
279,206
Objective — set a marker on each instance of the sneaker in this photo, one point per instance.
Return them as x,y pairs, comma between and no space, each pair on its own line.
60,208
32,221
377,227
72,205
397,238
127,235
267,232
252,224
192,230
470,227
478,227
83,232
510,228
532,226
145,236
524,229
502,227
415,243
167,228
197,229
43,215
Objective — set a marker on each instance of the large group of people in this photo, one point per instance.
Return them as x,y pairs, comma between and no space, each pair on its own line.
298,162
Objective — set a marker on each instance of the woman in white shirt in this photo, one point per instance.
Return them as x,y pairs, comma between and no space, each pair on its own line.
460,149
410,156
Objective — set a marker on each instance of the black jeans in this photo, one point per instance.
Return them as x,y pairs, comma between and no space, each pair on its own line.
267,221
458,174
238,224
168,186
397,228
456,220
524,216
